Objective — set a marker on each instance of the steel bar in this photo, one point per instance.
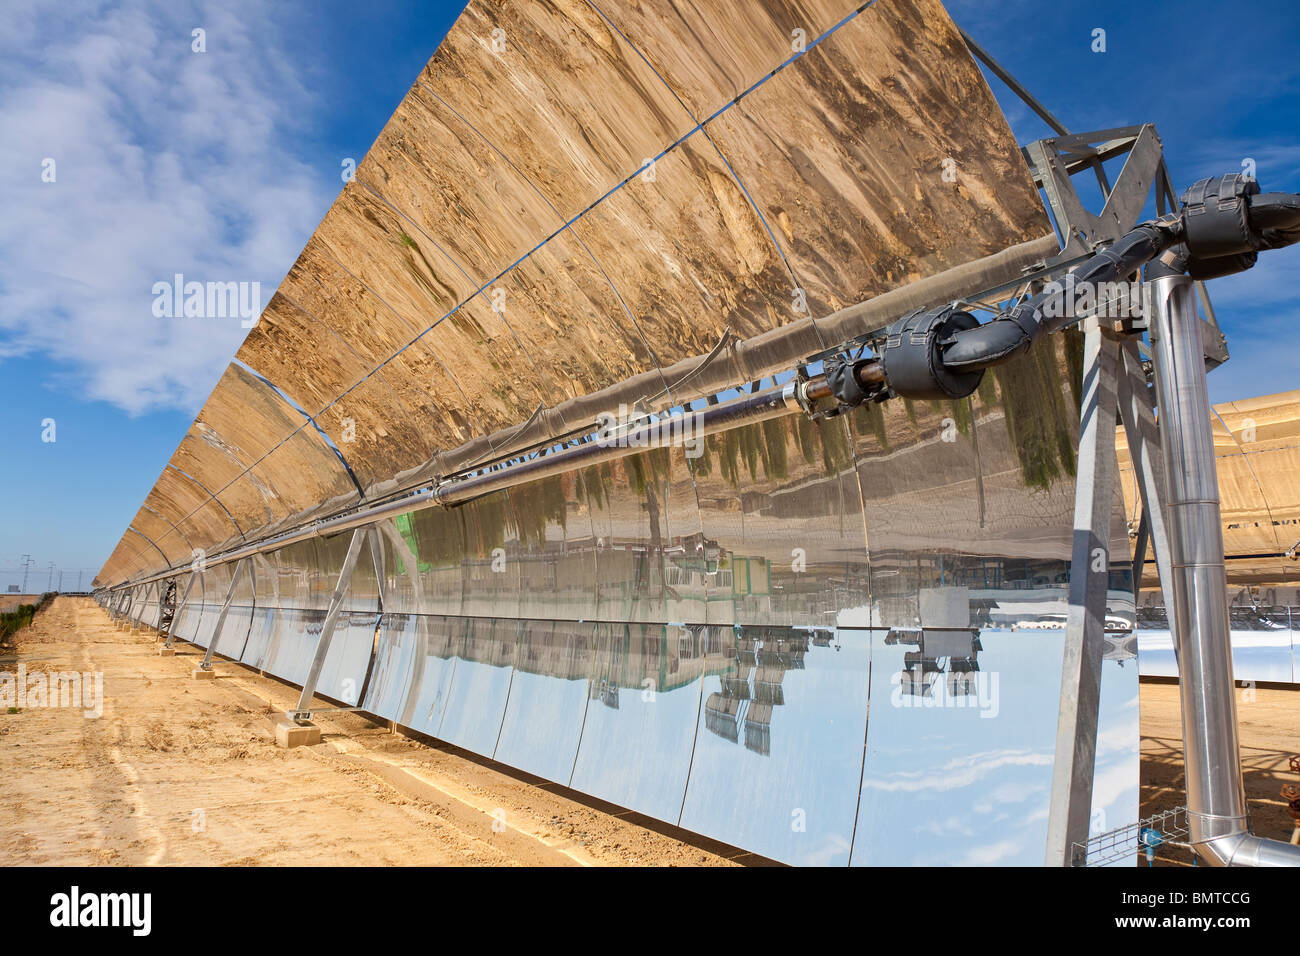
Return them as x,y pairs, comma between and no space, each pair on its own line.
377,558
1137,412
331,620
152,588
195,574
1080,229
1001,73
1141,540
145,591
221,616
1125,203
1076,729
162,596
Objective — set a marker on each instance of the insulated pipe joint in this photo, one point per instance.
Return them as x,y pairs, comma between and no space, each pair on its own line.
913,355
1223,223
1221,237
1216,216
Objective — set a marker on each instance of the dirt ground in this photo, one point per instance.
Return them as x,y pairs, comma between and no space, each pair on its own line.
1269,721
179,771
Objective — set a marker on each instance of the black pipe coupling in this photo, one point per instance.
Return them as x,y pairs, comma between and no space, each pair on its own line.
842,379
913,355
1218,233
1216,216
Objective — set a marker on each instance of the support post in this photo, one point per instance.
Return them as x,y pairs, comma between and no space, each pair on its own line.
1137,412
163,588
125,611
295,732
195,574
139,613
204,670
377,559
1076,729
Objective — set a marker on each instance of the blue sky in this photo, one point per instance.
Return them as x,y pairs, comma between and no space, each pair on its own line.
221,164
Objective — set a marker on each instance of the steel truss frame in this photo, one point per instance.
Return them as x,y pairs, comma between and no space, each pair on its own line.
1177,484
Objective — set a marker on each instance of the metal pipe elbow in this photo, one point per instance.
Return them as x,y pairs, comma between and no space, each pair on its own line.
1243,848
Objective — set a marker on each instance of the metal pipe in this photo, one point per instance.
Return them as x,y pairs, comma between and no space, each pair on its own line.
692,425
1216,795
761,406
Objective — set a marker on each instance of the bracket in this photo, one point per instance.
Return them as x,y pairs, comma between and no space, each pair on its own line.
301,715
196,574
205,668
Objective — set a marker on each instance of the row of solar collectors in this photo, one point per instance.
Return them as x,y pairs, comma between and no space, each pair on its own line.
700,638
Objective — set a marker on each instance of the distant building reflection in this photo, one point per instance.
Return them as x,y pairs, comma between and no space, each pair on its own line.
939,652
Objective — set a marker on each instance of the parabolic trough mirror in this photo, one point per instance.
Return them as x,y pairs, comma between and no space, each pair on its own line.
827,641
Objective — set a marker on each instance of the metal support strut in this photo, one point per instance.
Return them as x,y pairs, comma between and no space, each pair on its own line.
195,575
1076,729
303,712
221,617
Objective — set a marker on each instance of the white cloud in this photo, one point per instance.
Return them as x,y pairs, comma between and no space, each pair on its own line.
167,161
1277,163
990,855
959,772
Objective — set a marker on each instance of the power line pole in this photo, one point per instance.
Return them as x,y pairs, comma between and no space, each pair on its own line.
49,585
26,563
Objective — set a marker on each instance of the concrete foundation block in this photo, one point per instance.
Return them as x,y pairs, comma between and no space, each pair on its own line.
200,674
166,651
289,734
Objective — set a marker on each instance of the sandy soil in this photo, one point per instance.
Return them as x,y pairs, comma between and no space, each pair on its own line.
178,771
1268,719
